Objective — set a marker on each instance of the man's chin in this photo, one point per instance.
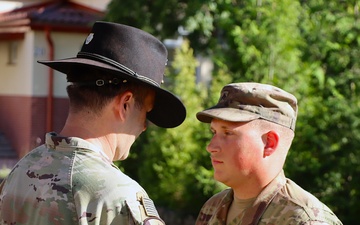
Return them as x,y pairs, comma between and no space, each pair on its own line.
218,176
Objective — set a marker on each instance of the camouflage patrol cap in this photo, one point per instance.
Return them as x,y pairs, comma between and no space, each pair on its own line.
242,102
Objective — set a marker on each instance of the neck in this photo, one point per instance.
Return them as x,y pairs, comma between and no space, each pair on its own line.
247,192
89,129
253,186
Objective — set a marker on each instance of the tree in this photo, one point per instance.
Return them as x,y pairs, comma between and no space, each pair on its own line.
325,150
160,17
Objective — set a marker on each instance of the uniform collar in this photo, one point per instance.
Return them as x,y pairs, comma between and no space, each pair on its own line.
54,141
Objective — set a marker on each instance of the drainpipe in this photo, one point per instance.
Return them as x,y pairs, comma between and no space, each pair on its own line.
50,97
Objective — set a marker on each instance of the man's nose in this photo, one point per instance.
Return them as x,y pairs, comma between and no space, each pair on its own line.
213,147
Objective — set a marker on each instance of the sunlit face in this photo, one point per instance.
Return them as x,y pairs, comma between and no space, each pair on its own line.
236,150
136,124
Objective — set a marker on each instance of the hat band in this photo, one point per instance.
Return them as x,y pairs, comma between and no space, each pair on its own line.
273,116
111,62
100,82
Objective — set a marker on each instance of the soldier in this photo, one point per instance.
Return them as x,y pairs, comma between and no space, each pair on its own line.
114,86
253,127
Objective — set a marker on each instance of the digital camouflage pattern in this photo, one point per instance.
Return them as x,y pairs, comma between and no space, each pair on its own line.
71,181
242,102
282,202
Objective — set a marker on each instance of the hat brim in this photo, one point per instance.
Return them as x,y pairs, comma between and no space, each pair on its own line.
227,114
168,110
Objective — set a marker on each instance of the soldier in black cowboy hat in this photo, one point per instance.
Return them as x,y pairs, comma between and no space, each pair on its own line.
114,87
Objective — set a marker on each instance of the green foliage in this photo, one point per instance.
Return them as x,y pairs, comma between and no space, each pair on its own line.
161,17
175,167
264,37
309,48
325,149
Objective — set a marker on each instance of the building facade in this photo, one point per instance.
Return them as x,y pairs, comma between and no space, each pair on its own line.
33,97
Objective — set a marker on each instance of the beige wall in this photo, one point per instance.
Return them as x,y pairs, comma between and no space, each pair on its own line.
29,78
16,78
65,45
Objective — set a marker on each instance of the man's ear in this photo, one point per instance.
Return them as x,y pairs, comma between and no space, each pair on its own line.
272,141
123,103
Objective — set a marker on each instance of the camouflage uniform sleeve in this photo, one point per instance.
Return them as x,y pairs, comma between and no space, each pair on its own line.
104,195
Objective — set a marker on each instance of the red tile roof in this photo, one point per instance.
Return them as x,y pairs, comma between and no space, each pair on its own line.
55,15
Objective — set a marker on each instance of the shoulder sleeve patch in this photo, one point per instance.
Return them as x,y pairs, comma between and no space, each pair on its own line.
143,210
148,204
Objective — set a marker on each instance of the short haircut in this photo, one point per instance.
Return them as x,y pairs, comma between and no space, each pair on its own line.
85,94
287,135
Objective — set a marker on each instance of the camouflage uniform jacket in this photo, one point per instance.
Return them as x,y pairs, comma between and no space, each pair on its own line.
282,202
70,181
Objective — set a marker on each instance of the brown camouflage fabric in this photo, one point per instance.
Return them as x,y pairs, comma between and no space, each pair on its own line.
282,202
242,102
70,181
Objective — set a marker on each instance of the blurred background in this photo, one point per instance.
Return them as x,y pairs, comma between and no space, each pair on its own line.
307,47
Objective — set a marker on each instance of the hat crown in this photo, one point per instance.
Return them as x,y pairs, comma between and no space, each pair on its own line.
259,95
132,50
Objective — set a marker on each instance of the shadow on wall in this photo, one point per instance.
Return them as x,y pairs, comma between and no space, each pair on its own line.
8,156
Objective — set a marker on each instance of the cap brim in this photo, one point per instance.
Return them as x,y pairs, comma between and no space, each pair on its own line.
168,110
227,114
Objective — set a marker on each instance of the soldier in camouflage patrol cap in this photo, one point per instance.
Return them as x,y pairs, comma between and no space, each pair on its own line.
114,86
253,127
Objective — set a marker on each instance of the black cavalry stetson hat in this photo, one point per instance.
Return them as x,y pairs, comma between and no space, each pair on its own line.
131,54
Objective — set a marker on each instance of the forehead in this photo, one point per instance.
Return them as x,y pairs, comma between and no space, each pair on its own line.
222,124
